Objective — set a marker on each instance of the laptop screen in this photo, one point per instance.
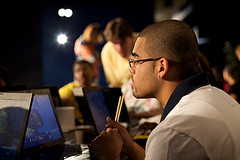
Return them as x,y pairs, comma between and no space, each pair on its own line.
112,97
14,112
42,125
83,105
98,107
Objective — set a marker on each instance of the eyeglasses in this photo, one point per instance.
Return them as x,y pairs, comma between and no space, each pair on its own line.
132,62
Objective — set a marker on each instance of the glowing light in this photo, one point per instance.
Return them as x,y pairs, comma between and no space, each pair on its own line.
62,39
65,12
68,13
61,12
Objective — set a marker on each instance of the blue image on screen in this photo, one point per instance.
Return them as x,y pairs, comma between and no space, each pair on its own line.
42,125
99,109
11,122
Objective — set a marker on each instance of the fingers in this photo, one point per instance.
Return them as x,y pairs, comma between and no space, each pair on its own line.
109,131
112,130
113,123
115,131
106,134
107,145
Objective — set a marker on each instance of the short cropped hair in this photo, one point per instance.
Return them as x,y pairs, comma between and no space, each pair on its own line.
173,40
119,28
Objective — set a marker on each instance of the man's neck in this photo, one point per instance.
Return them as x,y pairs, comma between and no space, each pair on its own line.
182,89
166,91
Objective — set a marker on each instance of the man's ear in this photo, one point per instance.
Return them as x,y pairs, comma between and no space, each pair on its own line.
163,68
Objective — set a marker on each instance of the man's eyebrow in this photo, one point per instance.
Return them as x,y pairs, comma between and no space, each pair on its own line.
134,54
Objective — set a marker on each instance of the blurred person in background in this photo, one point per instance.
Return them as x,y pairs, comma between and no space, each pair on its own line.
85,47
114,55
204,66
231,75
83,77
237,51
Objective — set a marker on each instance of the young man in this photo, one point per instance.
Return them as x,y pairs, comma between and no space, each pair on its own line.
115,53
83,77
199,121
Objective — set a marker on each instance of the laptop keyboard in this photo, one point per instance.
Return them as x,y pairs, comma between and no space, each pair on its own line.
58,152
71,149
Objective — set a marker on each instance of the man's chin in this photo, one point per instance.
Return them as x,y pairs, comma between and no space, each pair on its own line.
134,93
82,84
138,96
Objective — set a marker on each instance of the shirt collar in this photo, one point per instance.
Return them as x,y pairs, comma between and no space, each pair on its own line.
184,88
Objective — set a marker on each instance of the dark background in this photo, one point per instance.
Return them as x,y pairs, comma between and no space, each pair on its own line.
29,30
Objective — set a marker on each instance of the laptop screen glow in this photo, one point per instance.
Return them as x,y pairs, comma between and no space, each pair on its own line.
14,111
99,109
42,125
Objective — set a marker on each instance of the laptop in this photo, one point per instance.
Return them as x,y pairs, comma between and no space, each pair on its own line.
83,105
14,113
112,97
44,137
102,102
54,94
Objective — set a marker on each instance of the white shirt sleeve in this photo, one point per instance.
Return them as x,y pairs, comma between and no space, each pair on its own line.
170,144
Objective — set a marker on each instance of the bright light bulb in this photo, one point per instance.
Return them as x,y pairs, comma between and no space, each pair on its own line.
61,12
68,13
62,39
65,12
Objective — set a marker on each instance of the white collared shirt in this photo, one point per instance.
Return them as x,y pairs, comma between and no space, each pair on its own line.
205,124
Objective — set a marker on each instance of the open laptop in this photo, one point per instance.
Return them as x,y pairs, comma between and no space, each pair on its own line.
44,138
83,105
112,97
102,102
14,113
54,94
